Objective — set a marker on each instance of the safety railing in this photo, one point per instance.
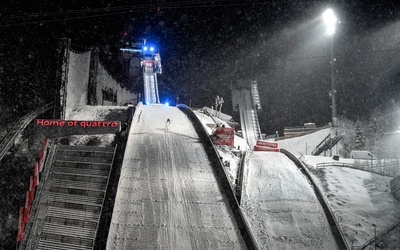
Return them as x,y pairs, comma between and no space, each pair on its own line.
379,236
376,169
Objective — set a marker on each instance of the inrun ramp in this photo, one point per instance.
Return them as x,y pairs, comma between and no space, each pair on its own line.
168,196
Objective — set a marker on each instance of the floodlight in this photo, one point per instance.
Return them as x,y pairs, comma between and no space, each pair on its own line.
330,21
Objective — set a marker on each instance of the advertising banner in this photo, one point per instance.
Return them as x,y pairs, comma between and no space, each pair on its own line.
263,148
224,136
21,225
56,128
271,144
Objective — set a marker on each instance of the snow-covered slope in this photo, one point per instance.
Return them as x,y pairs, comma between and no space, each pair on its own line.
359,200
167,196
281,205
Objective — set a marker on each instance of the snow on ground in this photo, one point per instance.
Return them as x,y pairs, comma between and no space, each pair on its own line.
281,206
359,199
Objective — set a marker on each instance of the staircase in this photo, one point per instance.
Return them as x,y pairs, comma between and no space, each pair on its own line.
256,125
74,197
326,144
255,96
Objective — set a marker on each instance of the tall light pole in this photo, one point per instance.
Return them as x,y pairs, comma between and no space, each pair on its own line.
330,22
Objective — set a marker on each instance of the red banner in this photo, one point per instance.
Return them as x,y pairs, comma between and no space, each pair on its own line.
36,179
26,215
270,144
31,197
224,136
27,199
31,183
36,169
263,148
46,141
57,128
21,225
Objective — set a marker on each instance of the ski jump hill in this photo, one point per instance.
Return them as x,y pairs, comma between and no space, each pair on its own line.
173,192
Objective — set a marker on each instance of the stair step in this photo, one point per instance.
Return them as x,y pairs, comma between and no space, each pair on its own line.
72,214
77,171
74,164
78,232
56,245
68,158
78,199
66,239
85,148
78,184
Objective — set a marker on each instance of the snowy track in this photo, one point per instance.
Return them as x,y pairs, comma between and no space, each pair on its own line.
168,196
281,206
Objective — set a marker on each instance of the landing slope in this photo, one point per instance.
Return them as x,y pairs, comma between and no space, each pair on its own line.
281,205
167,196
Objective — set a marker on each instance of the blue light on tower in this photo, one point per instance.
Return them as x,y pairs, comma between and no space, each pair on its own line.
149,49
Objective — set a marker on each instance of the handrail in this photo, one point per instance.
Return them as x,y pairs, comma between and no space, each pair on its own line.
380,235
18,127
322,142
349,165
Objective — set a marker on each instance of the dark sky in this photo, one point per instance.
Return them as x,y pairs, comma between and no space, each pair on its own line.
209,46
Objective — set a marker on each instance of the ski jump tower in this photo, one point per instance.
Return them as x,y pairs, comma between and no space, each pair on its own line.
150,62
246,100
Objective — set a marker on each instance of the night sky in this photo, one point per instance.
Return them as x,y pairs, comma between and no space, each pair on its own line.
207,47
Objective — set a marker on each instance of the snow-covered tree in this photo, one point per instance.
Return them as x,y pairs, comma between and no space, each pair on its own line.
359,143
